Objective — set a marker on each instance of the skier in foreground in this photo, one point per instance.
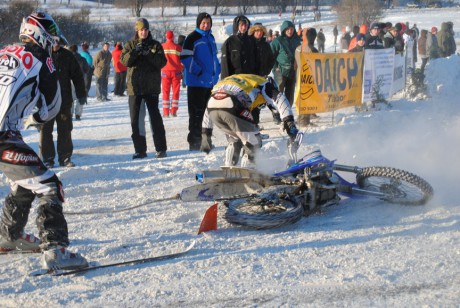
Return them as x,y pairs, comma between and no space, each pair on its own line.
29,87
229,108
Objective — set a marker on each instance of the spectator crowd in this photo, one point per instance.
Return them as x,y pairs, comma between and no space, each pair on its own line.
192,61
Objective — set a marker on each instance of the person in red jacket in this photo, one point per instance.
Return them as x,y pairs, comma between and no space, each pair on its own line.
120,71
171,75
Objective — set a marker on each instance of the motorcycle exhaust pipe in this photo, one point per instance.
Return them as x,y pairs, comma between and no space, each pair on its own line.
224,175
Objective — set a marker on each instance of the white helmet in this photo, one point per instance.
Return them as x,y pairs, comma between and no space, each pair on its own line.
41,28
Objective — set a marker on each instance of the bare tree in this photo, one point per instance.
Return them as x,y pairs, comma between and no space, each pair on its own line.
137,6
10,20
283,4
183,4
356,12
216,4
243,6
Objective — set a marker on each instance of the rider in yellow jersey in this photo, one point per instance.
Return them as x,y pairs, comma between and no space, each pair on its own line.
229,108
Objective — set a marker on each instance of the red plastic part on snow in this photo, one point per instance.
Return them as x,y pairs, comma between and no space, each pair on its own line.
209,222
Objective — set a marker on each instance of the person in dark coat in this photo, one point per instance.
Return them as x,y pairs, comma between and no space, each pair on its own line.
389,38
321,40
335,32
373,41
144,58
69,72
238,50
85,69
446,41
264,64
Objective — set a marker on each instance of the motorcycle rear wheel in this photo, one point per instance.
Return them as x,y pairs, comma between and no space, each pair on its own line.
398,186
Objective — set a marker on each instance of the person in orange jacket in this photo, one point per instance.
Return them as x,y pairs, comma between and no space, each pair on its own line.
171,75
120,71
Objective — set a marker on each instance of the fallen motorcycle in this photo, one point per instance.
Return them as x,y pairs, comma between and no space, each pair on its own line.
260,201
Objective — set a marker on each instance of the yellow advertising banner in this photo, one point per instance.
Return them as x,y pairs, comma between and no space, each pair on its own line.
328,81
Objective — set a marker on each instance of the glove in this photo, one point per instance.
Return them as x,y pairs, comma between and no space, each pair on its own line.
139,48
206,141
293,146
142,49
82,101
290,128
276,117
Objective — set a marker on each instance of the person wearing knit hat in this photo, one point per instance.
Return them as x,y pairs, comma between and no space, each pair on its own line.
171,75
373,41
141,23
202,70
144,58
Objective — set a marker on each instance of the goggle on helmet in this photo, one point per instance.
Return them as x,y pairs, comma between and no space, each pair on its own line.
42,29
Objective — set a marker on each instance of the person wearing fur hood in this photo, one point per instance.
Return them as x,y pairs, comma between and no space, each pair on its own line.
264,64
264,55
238,50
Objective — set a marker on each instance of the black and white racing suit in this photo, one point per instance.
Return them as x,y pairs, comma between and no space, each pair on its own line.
29,87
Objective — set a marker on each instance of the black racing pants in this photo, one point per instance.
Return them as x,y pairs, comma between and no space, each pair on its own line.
197,100
156,123
29,179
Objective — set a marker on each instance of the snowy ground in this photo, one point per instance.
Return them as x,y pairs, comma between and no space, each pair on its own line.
361,253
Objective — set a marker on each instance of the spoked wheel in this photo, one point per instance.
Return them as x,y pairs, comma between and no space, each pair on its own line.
397,186
264,211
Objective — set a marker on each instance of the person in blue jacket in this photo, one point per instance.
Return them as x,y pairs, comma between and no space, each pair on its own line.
202,70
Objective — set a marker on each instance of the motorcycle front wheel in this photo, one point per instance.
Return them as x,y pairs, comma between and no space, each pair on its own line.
397,186
264,211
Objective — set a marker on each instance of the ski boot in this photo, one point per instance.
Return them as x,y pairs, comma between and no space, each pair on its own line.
59,258
27,242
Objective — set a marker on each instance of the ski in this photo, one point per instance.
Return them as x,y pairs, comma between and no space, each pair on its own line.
115,264
18,252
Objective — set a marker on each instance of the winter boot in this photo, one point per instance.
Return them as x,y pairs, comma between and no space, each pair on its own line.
161,154
139,155
27,242
59,257
66,163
